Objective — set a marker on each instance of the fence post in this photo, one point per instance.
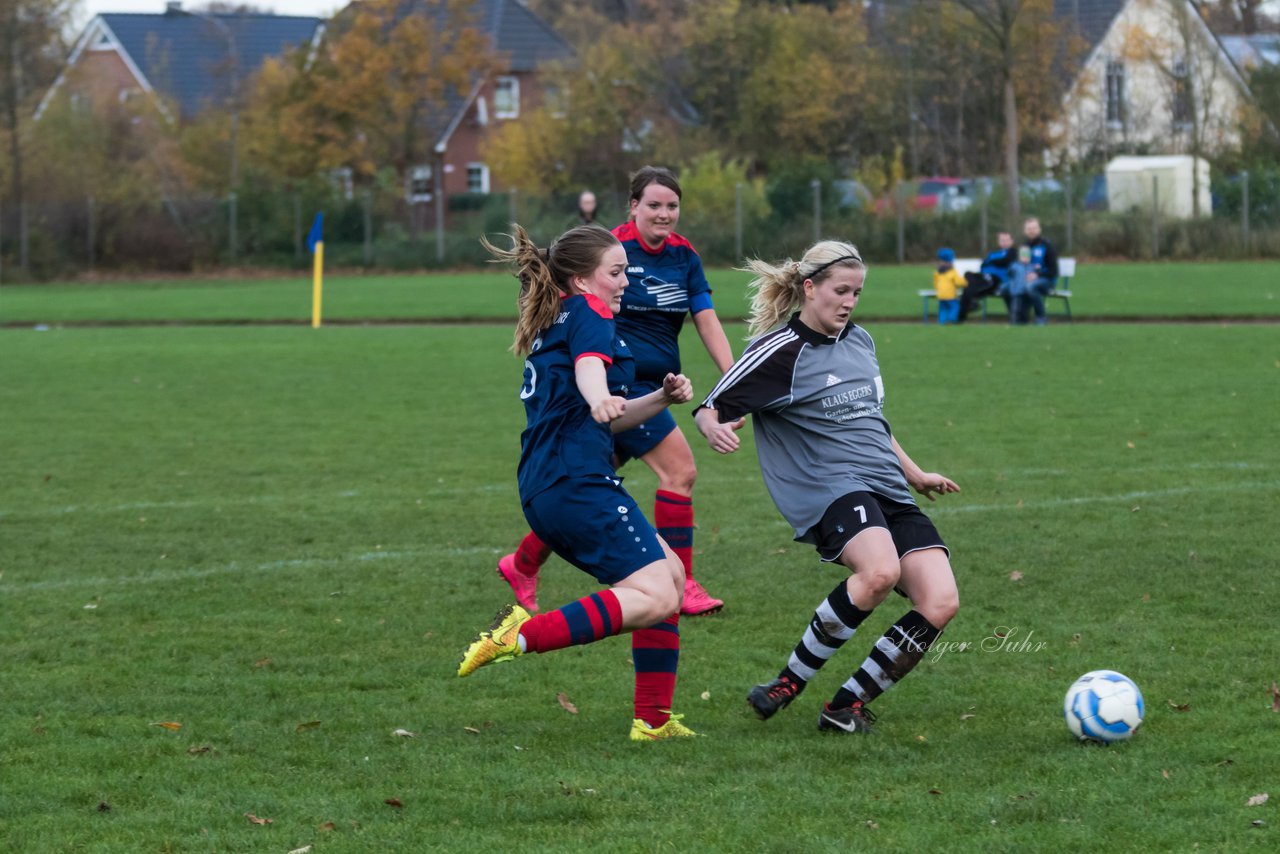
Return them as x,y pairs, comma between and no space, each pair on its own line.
297,227
1155,217
982,218
231,225
737,221
24,259
1071,203
93,234
817,209
1244,208
368,228
902,222
1,243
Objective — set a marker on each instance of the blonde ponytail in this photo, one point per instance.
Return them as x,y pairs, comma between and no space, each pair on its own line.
778,289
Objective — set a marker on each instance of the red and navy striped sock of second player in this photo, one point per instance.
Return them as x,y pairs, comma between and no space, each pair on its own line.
673,518
656,652
531,554
589,619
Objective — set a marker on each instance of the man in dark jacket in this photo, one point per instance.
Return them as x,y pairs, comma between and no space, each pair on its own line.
1044,262
991,275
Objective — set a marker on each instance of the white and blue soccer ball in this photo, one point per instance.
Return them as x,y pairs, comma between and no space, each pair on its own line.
1104,706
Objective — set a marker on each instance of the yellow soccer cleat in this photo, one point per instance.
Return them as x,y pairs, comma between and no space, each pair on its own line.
499,642
641,731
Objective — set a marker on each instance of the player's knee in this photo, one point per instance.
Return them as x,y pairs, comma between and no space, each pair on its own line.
680,480
942,609
879,578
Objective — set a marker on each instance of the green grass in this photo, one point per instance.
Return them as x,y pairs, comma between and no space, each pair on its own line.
1101,290
274,526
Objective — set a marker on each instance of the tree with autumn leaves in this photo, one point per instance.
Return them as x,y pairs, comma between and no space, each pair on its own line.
373,96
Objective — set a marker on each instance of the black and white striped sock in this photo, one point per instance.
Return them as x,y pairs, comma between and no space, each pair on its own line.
833,623
895,654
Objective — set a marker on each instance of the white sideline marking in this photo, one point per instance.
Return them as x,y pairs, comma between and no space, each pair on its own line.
233,568
483,488
1100,499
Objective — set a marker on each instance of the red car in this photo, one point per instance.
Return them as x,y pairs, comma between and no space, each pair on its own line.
940,194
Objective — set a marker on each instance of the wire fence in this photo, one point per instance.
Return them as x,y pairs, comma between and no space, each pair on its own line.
378,229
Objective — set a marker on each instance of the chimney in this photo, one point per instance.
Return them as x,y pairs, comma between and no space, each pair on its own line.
173,7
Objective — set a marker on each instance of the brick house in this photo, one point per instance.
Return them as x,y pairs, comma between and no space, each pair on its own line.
186,61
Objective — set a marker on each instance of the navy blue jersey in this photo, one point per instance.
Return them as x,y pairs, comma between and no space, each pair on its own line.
561,439
663,287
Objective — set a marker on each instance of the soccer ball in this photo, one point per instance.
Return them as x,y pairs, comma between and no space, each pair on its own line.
1104,706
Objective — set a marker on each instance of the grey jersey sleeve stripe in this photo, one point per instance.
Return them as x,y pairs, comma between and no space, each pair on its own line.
760,380
754,357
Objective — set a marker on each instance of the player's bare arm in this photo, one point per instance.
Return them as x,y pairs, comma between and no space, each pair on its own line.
593,385
927,483
676,388
714,339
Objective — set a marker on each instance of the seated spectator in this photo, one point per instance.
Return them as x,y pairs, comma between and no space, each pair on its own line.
1044,263
990,276
1016,289
947,284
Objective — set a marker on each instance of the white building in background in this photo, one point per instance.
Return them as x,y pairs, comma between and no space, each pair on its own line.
1154,79
1168,183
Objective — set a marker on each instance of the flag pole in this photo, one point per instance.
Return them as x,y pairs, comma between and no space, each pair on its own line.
317,283
315,242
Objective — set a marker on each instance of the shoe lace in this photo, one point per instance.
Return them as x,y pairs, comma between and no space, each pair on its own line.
785,689
863,712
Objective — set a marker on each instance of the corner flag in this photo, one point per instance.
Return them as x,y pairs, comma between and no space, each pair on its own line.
315,244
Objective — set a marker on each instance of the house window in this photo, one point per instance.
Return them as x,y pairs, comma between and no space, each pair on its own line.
482,111
477,178
557,100
342,180
1115,103
419,185
506,98
1182,104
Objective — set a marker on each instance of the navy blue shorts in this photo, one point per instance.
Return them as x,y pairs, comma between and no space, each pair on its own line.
635,443
596,526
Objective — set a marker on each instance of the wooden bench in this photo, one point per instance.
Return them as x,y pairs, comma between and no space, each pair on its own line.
1066,270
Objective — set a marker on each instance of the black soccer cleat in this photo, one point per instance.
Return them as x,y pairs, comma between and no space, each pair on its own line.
768,699
850,719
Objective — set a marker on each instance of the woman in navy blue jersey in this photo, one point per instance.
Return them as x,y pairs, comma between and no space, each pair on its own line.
812,384
666,285
577,393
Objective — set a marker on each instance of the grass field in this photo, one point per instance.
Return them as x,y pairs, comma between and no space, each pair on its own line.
1101,290
281,539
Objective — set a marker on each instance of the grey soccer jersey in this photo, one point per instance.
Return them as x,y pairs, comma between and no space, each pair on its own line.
819,430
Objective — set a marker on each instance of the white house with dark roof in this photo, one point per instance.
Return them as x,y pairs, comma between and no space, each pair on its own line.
1152,78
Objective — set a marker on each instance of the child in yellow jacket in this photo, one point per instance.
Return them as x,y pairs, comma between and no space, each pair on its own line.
946,284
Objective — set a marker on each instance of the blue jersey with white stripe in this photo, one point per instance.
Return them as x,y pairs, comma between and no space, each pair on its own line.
663,288
561,439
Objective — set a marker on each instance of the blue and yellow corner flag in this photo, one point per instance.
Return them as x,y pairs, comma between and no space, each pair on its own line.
316,234
315,244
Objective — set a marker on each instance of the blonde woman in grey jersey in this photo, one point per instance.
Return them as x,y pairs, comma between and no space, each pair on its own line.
837,474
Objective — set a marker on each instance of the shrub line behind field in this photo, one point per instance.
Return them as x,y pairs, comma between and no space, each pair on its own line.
1230,319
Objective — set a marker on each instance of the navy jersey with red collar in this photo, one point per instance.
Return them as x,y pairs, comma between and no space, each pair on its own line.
663,287
561,439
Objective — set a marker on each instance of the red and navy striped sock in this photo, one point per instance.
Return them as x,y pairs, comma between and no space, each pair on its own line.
656,652
531,554
673,518
589,619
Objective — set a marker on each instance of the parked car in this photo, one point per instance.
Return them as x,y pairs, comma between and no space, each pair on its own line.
941,194
852,194
944,195
1096,198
